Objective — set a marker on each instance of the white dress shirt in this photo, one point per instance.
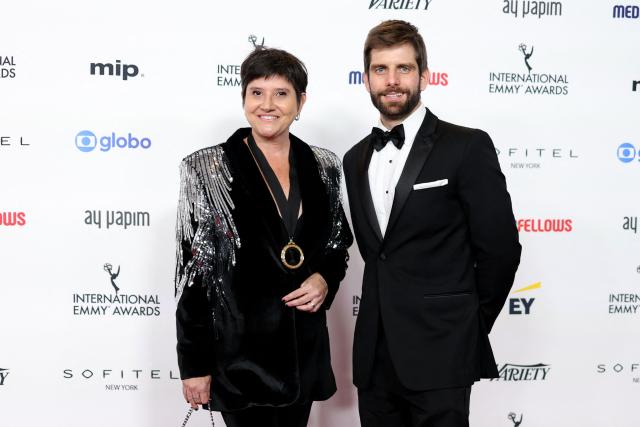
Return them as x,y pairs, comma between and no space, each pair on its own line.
387,164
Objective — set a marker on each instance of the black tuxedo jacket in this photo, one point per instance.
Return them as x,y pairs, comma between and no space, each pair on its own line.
440,275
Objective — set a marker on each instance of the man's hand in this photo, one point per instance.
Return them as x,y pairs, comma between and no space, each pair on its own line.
196,390
310,295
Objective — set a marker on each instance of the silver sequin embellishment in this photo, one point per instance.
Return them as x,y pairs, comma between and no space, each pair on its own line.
205,201
330,169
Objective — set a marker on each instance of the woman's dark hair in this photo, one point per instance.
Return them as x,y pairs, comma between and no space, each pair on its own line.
267,62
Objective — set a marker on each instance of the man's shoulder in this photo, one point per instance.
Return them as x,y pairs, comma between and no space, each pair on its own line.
355,149
461,139
450,129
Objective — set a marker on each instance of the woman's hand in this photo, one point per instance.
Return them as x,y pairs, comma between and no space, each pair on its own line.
196,390
310,295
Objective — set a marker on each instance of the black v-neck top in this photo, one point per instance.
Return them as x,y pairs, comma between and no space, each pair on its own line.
289,207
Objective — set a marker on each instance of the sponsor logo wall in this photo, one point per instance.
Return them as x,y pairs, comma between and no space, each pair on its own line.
628,153
89,186
13,141
520,305
624,303
626,371
13,219
87,141
117,303
628,11
533,158
515,372
108,219
114,379
545,225
400,4
630,224
532,9
436,78
117,69
526,82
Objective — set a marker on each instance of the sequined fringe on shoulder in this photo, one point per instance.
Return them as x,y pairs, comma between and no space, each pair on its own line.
331,173
204,223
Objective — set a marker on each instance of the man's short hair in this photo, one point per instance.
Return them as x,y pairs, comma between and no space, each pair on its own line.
393,33
268,62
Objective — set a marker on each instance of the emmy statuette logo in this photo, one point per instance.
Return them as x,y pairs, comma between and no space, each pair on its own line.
512,416
253,40
527,56
228,73
113,276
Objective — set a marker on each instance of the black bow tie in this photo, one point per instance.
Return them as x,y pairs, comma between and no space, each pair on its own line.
380,137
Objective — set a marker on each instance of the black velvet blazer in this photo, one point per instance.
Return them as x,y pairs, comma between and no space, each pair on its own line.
231,321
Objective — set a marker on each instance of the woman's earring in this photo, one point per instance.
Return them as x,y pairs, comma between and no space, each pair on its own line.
298,117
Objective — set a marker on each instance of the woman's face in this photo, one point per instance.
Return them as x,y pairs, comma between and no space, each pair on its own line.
270,106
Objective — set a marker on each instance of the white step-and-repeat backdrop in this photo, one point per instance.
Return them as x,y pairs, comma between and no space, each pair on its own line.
555,83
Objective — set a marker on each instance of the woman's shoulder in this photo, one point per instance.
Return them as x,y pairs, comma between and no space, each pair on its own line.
215,155
327,159
208,156
206,165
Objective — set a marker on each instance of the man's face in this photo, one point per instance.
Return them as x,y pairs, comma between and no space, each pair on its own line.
394,82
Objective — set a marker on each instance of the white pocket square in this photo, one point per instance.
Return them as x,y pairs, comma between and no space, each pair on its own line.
438,183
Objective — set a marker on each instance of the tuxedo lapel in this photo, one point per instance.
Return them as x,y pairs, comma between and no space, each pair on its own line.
364,190
415,162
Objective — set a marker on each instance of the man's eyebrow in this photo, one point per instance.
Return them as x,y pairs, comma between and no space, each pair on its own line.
408,65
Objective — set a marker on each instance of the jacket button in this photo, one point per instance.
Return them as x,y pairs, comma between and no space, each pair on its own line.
383,256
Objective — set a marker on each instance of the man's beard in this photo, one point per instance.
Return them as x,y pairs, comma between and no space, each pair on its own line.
396,110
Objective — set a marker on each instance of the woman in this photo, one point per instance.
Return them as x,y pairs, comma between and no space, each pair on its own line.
262,247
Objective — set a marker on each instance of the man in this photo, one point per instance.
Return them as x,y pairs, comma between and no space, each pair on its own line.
434,224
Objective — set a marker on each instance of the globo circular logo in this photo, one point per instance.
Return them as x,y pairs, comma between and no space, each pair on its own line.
87,141
626,152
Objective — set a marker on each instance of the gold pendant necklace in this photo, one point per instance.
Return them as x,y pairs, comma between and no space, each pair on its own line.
290,248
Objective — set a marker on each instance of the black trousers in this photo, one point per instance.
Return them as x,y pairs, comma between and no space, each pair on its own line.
266,416
387,403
